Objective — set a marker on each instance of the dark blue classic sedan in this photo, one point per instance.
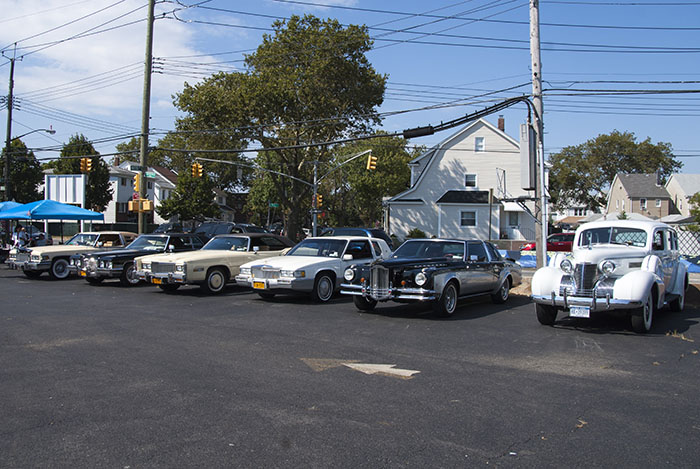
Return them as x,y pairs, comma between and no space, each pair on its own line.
437,270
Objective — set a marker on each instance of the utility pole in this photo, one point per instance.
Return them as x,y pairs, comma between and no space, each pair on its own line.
8,138
540,190
145,112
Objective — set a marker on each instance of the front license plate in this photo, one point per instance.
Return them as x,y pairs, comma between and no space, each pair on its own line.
580,312
156,280
259,285
83,274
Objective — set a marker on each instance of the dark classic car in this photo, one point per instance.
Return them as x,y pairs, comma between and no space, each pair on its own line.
436,270
97,266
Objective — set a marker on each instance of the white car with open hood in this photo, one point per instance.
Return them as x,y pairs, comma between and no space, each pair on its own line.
615,265
314,266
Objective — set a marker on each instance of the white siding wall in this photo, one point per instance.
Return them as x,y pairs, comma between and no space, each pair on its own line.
404,217
450,218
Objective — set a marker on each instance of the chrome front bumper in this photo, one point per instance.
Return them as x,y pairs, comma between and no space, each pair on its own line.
305,285
415,294
594,303
162,278
27,265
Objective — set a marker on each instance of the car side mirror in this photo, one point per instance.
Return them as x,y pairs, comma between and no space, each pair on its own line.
256,249
100,244
473,258
171,247
348,257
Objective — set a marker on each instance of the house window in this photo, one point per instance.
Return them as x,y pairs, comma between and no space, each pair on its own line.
122,181
467,219
470,180
479,144
580,212
658,203
617,205
513,218
150,184
643,204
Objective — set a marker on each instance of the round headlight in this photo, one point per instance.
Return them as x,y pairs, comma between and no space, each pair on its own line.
146,266
349,274
420,279
607,267
180,267
566,266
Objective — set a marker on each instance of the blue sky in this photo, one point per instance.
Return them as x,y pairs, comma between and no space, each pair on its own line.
443,59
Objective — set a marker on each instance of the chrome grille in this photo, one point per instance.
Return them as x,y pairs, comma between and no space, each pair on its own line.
162,267
89,264
585,278
22,257
262,271
379,282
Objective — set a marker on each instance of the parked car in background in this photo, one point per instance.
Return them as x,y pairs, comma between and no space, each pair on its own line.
38,237
55,259
557,242
169,228
621,265
370,232
211,267
437,270
209,229
314,266
98,266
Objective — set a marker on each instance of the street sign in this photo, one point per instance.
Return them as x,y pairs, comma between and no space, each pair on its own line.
150,175
135,196
274,205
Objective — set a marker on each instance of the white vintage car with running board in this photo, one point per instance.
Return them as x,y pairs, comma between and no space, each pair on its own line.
626,265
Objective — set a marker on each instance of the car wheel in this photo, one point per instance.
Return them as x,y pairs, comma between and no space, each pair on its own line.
641,318
266,296
546,314
364,304
324,287
128,277
94,280
215,281
31,273
501,296
169,288
59,269
447,304
678,304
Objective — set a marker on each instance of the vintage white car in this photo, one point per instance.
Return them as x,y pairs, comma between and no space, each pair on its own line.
615,265
55,259
314,266
212,266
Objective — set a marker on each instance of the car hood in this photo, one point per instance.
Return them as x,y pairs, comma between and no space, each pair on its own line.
294,262
192,256
61,249
416,262
120,253
601,252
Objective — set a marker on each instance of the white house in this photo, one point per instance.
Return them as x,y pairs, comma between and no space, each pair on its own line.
451,185
681,187
160,182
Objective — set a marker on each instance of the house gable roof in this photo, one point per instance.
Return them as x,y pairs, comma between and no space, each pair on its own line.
642,186
689,183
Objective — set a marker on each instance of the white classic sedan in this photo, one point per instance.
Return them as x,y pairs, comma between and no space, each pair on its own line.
616,265
314,266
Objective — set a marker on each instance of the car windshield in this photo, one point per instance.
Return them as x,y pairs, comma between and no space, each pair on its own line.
82,239
149,243
227,243
319,248
613,235
422,249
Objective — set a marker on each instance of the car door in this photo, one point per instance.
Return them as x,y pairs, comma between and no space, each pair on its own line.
661,249
480,276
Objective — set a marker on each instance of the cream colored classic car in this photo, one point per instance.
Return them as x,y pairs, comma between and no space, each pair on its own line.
54,259
213,266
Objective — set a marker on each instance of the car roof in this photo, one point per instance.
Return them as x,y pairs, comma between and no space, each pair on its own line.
641,224
342,238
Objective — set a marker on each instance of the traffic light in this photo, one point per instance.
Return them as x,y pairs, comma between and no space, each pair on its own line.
197,170
137,182
371,162
83,165
88,165
319,200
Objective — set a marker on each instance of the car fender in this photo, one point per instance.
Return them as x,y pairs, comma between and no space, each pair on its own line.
635,286
440,279
680,284
546,280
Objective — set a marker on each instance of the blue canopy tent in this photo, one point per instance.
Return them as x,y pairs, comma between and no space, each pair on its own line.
8,205
49,210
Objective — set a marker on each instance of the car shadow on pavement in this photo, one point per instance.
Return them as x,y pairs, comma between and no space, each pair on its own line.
467,309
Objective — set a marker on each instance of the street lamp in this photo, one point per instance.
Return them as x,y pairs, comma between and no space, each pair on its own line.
8,157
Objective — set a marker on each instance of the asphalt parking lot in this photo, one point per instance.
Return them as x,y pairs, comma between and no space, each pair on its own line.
106,376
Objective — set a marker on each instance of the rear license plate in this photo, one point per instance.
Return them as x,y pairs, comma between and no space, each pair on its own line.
156,280
580,312
259,285
83,274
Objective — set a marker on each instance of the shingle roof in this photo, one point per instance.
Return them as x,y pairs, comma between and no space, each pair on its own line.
466,197
690,183
642,186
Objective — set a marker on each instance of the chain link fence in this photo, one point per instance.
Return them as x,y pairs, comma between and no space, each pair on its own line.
689,243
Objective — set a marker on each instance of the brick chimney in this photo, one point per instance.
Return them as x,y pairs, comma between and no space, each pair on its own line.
501,123
116,161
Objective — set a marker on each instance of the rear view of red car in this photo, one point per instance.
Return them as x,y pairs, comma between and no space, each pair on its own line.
555,242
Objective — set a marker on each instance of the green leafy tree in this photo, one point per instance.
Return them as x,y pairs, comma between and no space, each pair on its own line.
308,82
25,172
128,151
582,174
98,192
192,199
694,202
